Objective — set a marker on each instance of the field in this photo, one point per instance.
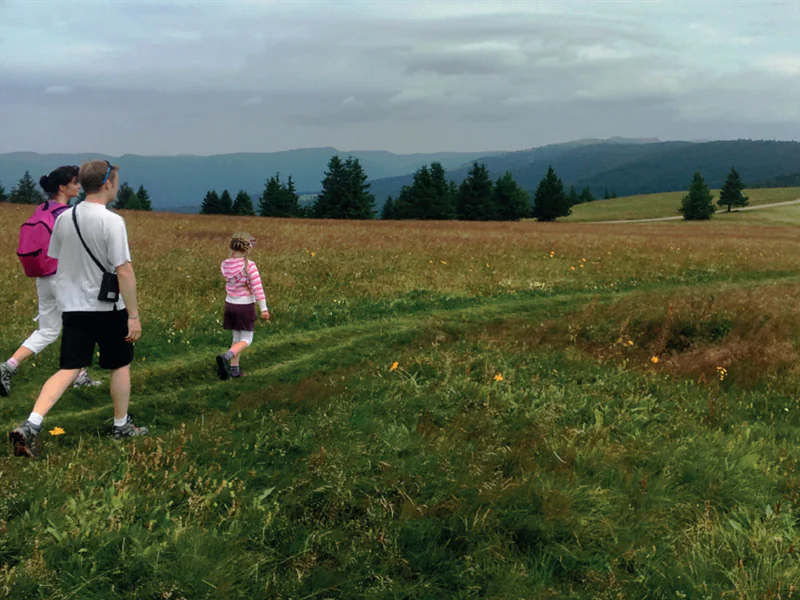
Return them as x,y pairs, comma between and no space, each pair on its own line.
438,410
654,206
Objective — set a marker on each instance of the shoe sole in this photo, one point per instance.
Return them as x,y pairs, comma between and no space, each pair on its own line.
222,368
20,447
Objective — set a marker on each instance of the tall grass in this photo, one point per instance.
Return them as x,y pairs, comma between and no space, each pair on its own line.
435,412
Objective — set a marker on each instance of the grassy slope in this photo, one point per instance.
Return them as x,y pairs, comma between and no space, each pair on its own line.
662,205
525,446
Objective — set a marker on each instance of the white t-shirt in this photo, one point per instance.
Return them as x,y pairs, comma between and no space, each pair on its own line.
78,278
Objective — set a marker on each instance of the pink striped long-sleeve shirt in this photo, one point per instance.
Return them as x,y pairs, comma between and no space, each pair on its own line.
243,288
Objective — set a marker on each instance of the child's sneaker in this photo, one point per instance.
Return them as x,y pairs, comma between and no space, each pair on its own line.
223,367
6,373
26,440
237,374
84,380
128,430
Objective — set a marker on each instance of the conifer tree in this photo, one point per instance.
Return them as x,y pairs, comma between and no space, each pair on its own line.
475,197
550,201
731,193
26,192
697,205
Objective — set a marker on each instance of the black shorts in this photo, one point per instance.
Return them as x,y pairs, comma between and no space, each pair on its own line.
84,330
239,317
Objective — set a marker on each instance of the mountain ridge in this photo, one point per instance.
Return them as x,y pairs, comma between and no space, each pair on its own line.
624,166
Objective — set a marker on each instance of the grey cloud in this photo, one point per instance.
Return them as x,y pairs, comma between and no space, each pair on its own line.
213,77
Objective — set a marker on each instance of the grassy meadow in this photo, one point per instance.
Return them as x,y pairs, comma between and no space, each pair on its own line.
654,206
437,410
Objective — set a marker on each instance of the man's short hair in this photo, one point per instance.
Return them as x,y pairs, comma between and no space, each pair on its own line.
93,173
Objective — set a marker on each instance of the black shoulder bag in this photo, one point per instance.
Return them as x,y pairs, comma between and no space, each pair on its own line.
109,288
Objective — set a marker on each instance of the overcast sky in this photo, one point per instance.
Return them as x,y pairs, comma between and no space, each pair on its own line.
214,77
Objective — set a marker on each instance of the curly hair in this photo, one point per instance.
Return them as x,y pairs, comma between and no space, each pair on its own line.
241,242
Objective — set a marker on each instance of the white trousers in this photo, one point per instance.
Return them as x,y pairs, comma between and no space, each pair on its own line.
243,336
49,316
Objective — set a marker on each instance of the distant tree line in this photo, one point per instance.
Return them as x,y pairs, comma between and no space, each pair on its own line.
345,195
127,199
279,199
432,196
27,192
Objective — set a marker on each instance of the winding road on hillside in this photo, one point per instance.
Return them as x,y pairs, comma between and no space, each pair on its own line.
772,205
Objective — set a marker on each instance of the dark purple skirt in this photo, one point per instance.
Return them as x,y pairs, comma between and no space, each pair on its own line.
239,317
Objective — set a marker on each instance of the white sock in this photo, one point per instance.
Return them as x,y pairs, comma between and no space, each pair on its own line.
120,422
35,419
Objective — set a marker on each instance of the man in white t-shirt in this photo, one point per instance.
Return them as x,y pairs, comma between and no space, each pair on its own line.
88,241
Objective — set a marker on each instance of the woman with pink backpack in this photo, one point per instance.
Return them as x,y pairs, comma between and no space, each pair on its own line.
34,240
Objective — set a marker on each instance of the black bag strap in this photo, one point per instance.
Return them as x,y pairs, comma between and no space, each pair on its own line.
78,229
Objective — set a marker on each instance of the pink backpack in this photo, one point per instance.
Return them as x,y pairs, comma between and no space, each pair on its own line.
34,240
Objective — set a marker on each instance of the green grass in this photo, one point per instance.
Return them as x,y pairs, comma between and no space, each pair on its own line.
526,445
327,474
653,206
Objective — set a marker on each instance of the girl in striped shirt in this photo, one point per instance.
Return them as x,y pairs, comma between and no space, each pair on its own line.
243,285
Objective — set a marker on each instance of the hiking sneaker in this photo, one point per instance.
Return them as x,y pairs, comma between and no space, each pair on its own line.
6,373
84,380
237,375
26,440
223,367
128,430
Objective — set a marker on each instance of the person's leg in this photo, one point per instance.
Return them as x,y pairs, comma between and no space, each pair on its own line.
77,347
236,350
245,340
121,393
238,346
52,391
49,320
20,356
49,329
116,355
47,333
228,363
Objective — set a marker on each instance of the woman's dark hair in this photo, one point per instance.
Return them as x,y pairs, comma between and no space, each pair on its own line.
61,176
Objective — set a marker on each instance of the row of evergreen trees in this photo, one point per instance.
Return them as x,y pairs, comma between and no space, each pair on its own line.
431,196
127,199
345,195
279,199
698,204
27,192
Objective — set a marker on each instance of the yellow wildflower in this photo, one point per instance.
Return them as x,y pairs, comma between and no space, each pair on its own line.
444,262
498,377
572,268
313,254
630,342
654,360
394,366
57,431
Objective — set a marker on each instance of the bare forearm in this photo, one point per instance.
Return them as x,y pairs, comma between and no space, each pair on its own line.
127,287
